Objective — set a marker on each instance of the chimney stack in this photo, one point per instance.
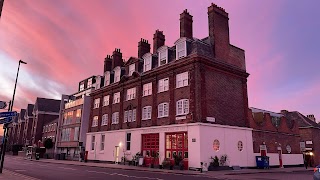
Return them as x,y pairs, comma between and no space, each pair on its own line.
311,116
219,31
186,25
107,63
117,58
143,47
158,40
284,112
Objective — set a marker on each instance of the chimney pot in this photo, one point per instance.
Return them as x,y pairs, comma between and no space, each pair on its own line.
143,47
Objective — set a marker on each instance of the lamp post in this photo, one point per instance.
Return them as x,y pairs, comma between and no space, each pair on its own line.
5,133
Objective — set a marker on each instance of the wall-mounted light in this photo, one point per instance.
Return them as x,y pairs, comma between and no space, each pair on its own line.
311,153
120,144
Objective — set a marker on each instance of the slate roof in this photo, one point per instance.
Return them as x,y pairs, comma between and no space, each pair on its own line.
48,105
302,120
30,109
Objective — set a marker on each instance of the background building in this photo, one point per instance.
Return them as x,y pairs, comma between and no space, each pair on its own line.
21,122
74,118
45,111
28,125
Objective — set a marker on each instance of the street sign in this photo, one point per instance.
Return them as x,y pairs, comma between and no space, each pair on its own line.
3,104
6,120
8,114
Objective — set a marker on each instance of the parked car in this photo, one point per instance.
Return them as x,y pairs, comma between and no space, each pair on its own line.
316,175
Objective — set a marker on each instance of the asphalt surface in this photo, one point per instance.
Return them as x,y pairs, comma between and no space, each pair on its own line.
50,171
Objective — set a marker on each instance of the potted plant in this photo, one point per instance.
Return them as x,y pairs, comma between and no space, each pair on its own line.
166,163
214,163
178,163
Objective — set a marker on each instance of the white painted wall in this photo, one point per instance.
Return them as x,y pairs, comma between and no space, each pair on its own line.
287,159
228,137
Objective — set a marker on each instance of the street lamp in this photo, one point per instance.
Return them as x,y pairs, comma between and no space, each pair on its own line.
5,133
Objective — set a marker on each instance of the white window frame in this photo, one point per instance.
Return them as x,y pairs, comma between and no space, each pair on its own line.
147,89
116,97
102,142
147,62
146,112
89,84
95,121
129,116
106,100
163,85
104,121
163,110
115,118
81,86
162,55
131,93
117,74
182,107
107,78
182,79
132,68
181,48
96,103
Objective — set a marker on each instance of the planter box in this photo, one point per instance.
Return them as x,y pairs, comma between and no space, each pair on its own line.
219,168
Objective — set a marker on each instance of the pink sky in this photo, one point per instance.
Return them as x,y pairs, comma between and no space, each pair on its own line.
64,42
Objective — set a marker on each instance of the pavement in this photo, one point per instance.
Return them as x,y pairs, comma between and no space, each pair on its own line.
184,172
6,174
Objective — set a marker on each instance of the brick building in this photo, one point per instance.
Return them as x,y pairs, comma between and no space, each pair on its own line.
189,99
44,111
309,131
28,125
49,131
21,122
74,118
12,132
276,136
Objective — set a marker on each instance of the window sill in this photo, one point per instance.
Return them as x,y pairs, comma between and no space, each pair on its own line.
163,117
104,124
101,152
114,123
145,119
182,86
163,91
146,95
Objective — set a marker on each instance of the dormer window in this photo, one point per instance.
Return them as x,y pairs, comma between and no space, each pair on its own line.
117,72
132,68
147,62
181,48
89,83
163,55
81,86
107,78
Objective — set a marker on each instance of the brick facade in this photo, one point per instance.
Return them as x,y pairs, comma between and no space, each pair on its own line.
217,80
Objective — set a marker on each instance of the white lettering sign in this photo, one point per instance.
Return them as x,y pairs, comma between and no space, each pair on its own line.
308,142
211,119
171,129
181,117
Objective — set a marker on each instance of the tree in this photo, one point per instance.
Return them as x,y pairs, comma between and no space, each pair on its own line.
48,144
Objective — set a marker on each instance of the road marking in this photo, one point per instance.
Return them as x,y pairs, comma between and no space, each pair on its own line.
67,168
124,175
20,170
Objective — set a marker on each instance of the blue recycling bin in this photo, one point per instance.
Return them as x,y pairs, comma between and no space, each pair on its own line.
262,162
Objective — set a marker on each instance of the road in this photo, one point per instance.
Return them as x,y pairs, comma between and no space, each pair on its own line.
51,171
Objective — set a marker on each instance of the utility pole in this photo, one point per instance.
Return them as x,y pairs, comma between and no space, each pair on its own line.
4,146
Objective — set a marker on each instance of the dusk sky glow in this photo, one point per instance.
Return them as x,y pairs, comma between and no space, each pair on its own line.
66,41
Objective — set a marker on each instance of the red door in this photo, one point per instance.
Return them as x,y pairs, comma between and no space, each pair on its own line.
150,148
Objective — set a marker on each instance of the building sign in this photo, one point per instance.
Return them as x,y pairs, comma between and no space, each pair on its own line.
193,139
170,129
211,119
308,142
181,117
